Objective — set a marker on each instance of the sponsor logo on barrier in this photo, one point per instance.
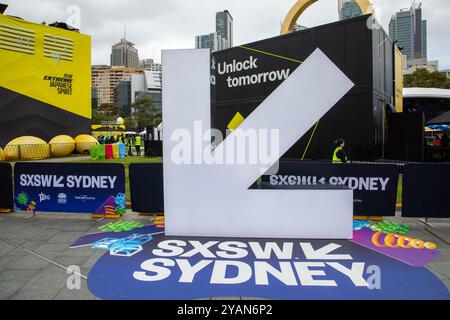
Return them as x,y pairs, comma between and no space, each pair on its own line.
43,197
400,241
62,198
84,198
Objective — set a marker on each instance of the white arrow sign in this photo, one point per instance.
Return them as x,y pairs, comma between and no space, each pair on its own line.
323,253
214,200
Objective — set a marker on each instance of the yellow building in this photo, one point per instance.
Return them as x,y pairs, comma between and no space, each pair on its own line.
45,80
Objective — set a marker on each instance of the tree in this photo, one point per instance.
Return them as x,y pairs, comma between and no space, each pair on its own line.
144,114
424,79
104,112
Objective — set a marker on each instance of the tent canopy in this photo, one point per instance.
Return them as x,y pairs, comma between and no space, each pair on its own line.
442,119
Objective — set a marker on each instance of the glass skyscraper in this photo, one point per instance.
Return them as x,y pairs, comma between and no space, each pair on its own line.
354,8
349,9
213,41
224,26
123,97
410,31
222,38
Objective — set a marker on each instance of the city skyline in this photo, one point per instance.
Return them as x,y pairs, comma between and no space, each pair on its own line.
163,29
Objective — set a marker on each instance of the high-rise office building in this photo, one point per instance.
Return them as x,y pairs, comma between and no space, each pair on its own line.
105,80
213,41
124,54
410,31
224,27
149,64
354,8
222,38
122,97
147,85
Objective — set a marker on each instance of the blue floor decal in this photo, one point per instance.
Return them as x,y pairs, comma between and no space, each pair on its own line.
179,268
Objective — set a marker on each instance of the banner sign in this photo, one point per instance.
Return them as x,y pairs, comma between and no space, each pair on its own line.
374,185
6,186
425,190
179,268
146,187
70,187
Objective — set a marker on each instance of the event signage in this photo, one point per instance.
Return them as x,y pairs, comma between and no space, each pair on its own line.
192,268
233,81
206,186
69,187
425,190
374,185
6,186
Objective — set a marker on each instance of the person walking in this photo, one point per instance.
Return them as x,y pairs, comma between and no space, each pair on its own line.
339,154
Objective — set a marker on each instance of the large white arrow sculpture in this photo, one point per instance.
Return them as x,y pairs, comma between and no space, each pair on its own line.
214,199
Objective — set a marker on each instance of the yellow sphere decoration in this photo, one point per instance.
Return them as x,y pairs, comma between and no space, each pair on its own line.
85,142
26,148
61,146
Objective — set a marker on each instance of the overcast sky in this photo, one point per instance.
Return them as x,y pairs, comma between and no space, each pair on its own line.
168,24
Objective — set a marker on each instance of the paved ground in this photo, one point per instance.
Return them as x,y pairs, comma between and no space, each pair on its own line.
34,253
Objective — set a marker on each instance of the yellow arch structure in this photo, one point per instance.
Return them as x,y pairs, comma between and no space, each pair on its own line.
296,11
301,5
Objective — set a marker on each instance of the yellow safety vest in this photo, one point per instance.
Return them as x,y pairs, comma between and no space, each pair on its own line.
335,157
138,141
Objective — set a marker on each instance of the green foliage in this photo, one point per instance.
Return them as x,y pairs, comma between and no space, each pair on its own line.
22,198
104,112
99,118
145,114
424,79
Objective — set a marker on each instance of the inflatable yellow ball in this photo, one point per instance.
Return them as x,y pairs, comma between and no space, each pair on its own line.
26,148
61,146
84,142
11,153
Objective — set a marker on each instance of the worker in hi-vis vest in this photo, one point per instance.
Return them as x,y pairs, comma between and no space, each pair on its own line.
129,141
339,155
137,145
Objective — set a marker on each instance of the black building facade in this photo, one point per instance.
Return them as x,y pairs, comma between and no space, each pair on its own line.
364,54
